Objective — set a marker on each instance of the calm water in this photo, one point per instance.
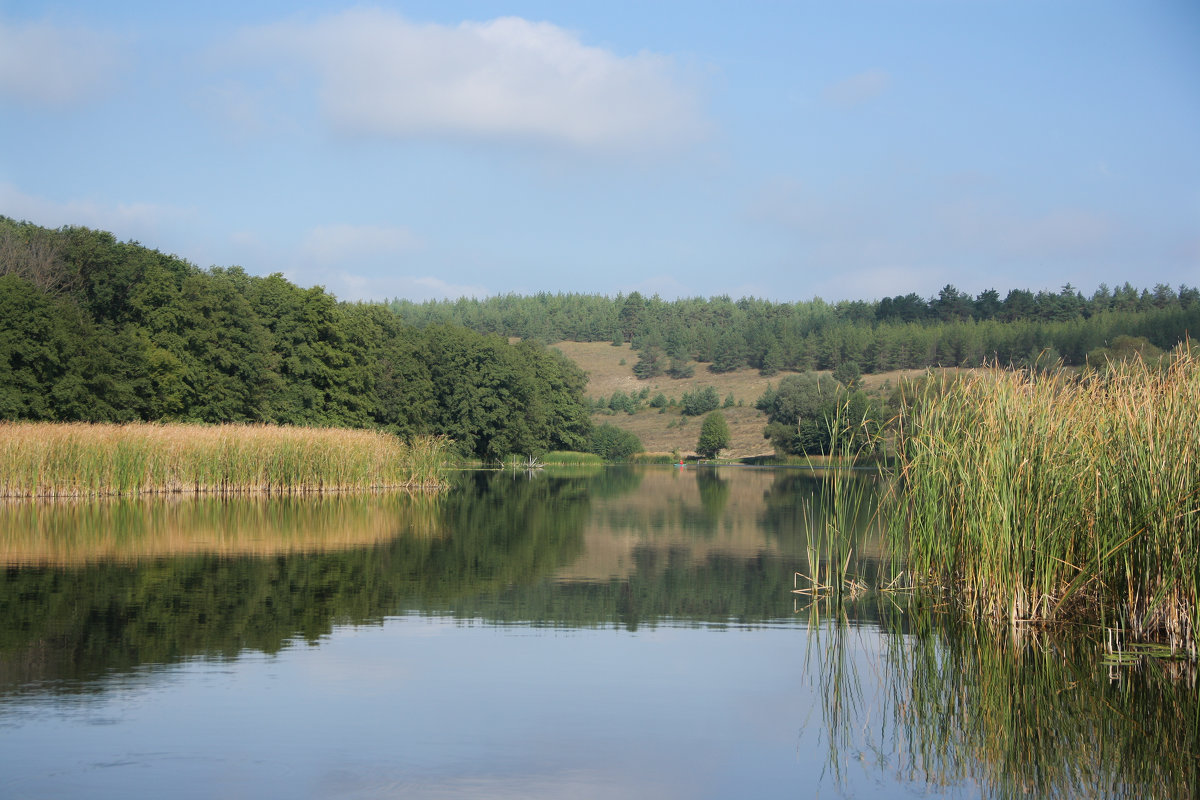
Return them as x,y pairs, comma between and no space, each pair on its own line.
612,633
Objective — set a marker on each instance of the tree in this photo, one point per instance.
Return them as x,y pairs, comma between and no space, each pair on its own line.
799,411
700,401
714,435
632,316
614,444
651,363
848,374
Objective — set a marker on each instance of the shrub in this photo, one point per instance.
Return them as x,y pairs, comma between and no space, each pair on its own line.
700,401
614,444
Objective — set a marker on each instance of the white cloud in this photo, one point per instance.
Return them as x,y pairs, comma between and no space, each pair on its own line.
857,89
141,221
382,75
45,65
335,244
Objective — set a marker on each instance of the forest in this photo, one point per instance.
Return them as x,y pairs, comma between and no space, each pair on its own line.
93,329
903,332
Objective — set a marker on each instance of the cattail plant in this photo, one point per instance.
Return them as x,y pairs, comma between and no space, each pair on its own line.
1053,495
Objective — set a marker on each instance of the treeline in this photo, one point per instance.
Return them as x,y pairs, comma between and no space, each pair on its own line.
94,329
902,332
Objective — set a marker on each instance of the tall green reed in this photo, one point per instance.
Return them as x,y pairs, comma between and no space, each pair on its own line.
1052,496
845,507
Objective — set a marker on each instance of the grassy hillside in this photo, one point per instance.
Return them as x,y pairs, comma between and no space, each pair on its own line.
664,432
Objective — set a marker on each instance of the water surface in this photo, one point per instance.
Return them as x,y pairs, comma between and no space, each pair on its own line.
616,633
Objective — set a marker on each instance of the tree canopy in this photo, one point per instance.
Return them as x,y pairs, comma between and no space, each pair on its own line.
907,331
99,330
714,435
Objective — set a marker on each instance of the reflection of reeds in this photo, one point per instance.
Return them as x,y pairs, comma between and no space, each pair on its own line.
1023,713
1046,496
80,531
83,460
829,659
845,499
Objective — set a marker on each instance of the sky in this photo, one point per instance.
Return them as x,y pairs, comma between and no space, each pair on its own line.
424,150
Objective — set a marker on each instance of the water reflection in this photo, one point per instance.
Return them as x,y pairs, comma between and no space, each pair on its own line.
100,586
959,708
586,598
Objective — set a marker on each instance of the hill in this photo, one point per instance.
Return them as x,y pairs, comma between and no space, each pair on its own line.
610,368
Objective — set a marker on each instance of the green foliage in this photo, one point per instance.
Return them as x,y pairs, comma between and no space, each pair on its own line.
700,401
658,401
619,401
848,374
1124,348
799,411
99,330
681,368
1041,495
651,363
571,458
714,435
901,332
729,401
614,444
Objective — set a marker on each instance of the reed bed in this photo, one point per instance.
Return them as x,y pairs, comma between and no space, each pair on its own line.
571,458
86,460
1056,496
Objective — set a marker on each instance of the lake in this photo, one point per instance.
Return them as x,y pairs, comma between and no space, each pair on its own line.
616,632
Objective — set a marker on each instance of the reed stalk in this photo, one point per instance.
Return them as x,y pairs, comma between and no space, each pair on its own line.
844,504
86,460
1050,496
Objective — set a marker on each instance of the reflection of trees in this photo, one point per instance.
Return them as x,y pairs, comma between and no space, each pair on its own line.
614,481
1028,714
486,550
497,531
714,494
664,585
797,508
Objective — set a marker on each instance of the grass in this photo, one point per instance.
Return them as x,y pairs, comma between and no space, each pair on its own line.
1059,497
663,433
571,458
83,460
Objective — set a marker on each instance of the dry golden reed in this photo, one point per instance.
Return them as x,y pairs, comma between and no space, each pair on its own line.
89,460
1052,496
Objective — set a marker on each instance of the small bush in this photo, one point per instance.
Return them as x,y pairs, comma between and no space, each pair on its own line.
700,401
614,444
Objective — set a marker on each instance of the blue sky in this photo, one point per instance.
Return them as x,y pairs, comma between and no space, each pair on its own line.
780,150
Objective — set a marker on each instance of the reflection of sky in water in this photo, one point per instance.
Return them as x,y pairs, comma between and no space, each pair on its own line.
421,707
622,670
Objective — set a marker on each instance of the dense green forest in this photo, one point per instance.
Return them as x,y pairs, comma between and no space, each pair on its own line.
903,332
95,329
